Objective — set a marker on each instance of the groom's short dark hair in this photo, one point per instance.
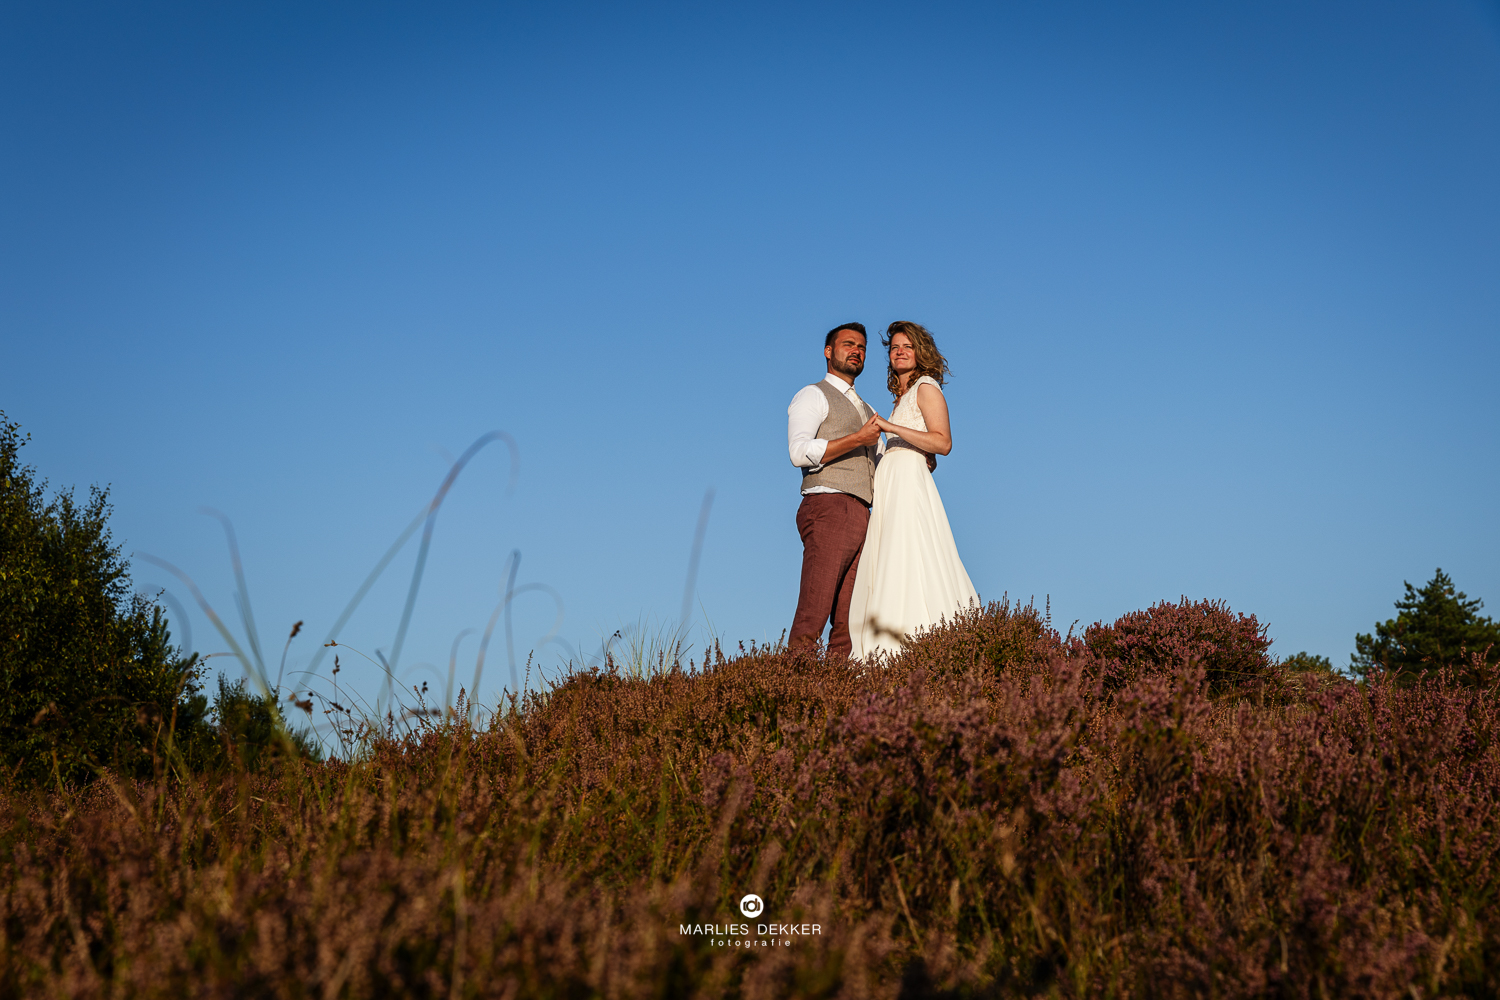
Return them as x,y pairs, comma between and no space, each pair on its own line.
858,328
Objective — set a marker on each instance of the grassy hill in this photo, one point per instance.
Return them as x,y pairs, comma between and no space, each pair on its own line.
1160,810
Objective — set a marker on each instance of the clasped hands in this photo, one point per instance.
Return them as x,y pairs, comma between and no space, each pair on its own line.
870,432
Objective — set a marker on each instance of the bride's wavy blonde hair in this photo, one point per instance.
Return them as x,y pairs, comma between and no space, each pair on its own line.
930,360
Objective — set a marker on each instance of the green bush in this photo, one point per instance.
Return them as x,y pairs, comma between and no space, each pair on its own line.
246,733
1308,663
89,674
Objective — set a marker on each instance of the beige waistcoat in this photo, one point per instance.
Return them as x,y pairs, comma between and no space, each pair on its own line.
854,471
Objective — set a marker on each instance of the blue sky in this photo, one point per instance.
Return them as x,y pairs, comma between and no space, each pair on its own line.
1220,286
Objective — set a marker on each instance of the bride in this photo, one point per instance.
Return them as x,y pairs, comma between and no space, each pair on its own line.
909,572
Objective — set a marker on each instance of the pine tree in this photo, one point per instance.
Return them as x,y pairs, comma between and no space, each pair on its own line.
1434,627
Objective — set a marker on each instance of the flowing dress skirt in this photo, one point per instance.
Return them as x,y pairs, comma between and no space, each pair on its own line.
910,575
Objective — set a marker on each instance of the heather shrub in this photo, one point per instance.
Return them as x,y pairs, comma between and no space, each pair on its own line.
1232,648
929,804
1009,637
1312,851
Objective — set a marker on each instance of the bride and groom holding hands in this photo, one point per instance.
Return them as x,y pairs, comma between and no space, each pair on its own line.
878,556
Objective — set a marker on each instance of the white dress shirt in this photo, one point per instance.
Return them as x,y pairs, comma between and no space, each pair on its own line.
808,410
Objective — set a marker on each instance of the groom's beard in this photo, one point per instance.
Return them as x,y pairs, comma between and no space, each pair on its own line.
850,368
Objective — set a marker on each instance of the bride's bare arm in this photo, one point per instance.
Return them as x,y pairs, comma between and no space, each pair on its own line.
936,439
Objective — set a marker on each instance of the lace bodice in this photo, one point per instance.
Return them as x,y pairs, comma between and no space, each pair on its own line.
908,414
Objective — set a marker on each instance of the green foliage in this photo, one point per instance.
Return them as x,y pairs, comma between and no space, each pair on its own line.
89,675
1434,627
248,732
1307,663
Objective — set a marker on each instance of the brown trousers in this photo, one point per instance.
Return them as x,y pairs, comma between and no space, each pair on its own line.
832,526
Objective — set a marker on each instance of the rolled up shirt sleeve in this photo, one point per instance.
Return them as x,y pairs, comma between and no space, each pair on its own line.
804,416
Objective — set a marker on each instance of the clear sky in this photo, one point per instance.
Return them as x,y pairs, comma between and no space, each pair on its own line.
1219,284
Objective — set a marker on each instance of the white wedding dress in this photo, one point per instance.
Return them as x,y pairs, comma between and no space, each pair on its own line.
909,573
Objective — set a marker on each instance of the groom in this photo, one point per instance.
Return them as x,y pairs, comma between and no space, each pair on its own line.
834,440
